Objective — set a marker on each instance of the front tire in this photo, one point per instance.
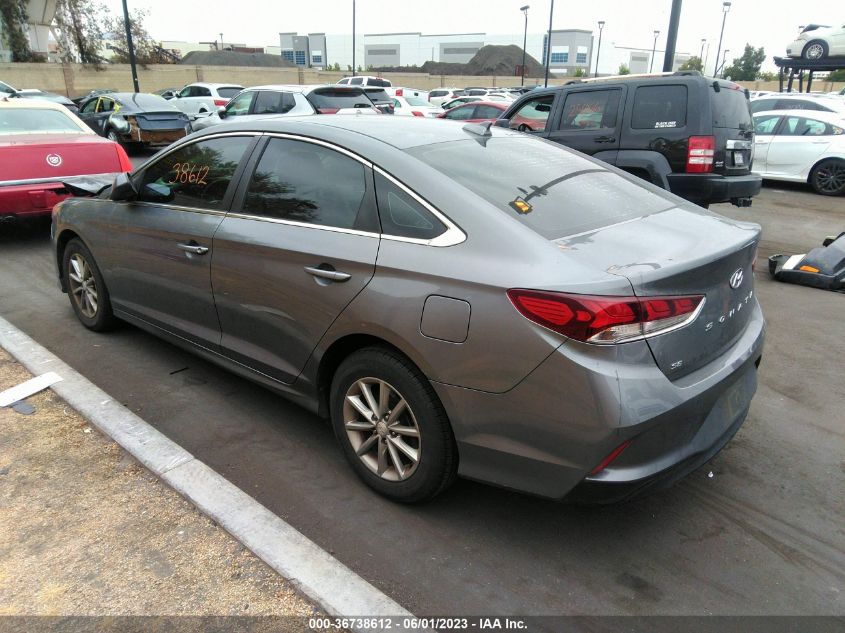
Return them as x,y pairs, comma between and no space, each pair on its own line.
87,291
814,50
392,427
828,177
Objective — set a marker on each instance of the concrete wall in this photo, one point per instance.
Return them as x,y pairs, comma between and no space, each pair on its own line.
75,79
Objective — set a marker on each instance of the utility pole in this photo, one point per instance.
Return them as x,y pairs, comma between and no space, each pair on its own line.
353,38
549,44
672,37
598,52
524,42
653,48
131,48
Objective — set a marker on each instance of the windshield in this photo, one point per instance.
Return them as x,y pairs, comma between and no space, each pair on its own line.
416,101
334,99
35,121
552,190
227,92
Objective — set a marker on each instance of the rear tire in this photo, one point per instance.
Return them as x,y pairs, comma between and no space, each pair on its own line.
392,427
86,289
814,50
828,177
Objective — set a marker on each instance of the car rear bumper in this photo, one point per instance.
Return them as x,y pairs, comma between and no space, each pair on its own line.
714,188
548,433
30,200
153,137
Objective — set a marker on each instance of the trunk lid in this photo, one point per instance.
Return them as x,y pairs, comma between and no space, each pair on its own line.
682,252
53,156
733,128
156,121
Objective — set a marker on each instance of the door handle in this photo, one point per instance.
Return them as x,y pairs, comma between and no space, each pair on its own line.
604,139
196,249
332,275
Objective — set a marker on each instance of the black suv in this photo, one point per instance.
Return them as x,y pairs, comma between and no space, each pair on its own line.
681,131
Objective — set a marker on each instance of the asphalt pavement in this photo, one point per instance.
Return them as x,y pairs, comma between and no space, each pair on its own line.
760,530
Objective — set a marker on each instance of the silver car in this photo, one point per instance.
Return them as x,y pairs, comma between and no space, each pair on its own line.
458,299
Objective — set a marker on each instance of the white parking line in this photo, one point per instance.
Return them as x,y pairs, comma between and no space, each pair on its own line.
317,574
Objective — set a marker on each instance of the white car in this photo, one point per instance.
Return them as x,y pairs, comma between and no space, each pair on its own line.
414,106
801,146
204,98
817,42
439,96
798,101
259,102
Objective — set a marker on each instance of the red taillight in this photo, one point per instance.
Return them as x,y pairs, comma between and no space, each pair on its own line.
328,110
597,319
700,152
220,102
607,461
399,92
123,159
417,113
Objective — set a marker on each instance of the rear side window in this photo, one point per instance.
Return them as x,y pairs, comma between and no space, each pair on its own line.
303,182
402,215
356,81
550,189
657,107
195,175
801,126
201,91
227,92
594,109
799,104
271,102
766,124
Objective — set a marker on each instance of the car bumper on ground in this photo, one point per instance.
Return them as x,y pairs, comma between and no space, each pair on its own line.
30,200
713,188
546,435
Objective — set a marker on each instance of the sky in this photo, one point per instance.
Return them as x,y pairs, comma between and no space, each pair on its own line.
631,23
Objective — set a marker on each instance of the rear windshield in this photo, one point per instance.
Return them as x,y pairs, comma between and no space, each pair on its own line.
416,101
550,189
142,101
731,109
35,121
229,91
335,98
378,94
375,81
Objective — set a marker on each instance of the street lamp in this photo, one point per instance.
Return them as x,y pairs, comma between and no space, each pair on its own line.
598,52
549,44
724,59
726,6
353,38
524,42
653,48
701,54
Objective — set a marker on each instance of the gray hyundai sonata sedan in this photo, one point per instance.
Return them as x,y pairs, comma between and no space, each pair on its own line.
457,299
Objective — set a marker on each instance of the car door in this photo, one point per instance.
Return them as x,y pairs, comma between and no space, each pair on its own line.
798,143
298,245
589,120
164,277
764,131
88,112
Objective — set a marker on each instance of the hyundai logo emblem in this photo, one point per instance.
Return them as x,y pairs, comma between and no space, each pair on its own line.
736,278
54,160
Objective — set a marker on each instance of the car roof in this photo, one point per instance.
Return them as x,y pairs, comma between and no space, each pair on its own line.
41,104
827,117
397,131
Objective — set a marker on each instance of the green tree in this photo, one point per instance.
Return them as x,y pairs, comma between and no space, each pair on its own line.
767,76
837,75
747,67
147,50
13,18
623,69
79,30
579,72
693,63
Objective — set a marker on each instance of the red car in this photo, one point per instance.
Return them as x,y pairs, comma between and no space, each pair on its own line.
476,111
40,144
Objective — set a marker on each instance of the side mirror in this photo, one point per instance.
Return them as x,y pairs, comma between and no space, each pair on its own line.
221,112
505,123
122,189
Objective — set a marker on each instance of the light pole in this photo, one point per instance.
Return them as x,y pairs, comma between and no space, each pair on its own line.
724,58
701,54
598,52
221,41
653,48
131,48
726,6
353,38
524,42
549,44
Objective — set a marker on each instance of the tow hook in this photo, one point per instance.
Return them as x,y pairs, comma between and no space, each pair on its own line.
741,202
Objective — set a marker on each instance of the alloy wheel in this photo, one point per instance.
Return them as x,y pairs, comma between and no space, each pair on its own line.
815,51
830,178
83,286
382,429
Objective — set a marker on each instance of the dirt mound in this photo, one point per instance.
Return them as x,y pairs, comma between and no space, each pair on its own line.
233,58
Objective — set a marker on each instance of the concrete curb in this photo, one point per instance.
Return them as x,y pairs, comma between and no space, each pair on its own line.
326,581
